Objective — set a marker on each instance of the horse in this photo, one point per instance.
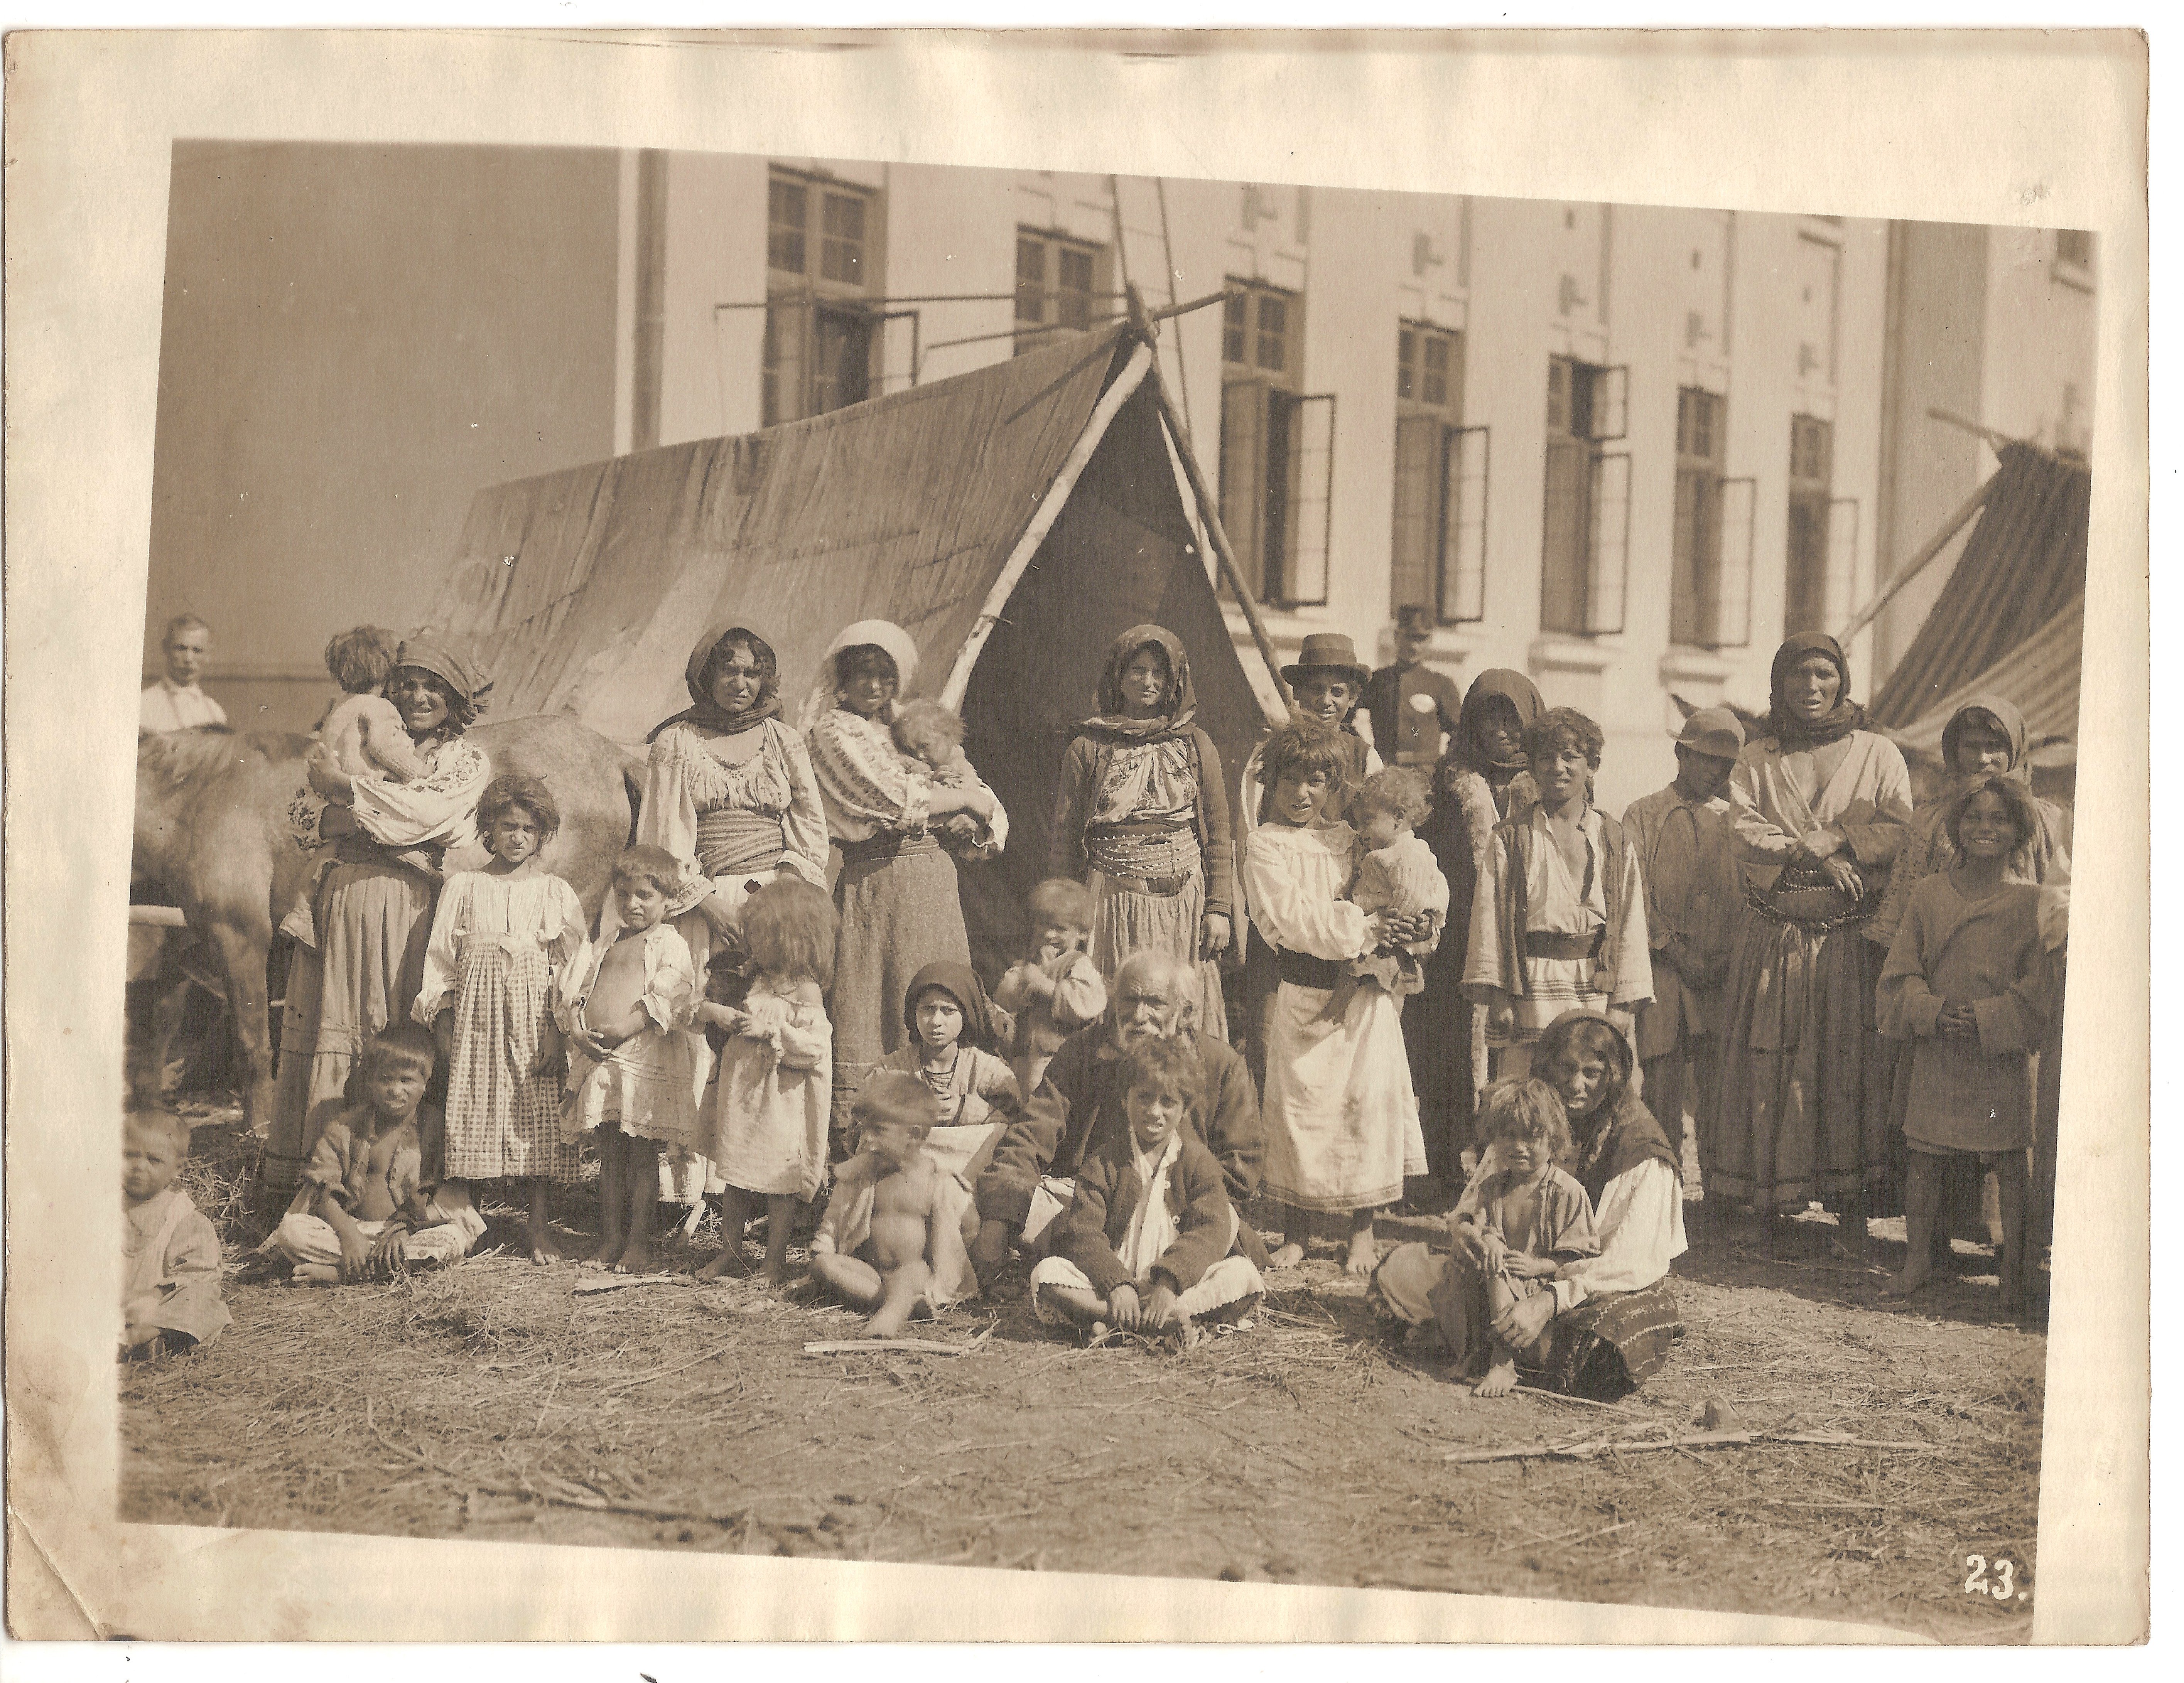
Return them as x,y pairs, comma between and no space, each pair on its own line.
212,831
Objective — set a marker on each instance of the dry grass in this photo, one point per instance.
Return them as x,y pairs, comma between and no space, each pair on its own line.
490,1402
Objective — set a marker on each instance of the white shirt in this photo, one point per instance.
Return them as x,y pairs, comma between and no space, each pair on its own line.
167,705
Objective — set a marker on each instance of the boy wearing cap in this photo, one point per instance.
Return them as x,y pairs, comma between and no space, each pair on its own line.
1686,856
1411,706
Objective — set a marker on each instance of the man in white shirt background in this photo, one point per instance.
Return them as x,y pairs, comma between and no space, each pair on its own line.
176,703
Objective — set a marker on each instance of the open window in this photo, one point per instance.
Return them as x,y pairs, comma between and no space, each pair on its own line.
1585,532
1276,449
822,341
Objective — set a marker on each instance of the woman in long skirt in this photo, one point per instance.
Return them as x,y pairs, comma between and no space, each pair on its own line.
897,888
1141,818
1821,806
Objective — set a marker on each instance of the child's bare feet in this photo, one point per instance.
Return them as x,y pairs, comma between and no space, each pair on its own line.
1917,1272
1500,1378
543,1251
1187,1333
606,1253
1364,1254
1288,1256
776,1274
727,1261
1097,1334
636,1257
888,1322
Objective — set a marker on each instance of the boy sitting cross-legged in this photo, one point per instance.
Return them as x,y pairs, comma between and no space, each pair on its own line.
1149,1238
373,1199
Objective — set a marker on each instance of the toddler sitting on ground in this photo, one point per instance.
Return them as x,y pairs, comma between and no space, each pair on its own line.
897,1229
170,1253
373,1201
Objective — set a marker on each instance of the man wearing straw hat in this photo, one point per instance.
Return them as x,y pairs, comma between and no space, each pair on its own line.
1686,856
1411,706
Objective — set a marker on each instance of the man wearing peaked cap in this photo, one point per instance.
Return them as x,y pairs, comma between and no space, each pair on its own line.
1411,706
1684,843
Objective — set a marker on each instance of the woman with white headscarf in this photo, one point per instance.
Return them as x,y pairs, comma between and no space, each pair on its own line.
897,888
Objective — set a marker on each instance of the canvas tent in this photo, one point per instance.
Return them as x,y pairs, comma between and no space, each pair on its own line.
2011,620
1013,520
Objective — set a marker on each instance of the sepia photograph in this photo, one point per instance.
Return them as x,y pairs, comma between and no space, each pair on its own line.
1270,882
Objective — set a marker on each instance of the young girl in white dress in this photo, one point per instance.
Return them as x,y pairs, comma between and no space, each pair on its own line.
766,1132
500,936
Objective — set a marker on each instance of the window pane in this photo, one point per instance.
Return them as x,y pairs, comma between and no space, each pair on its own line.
1274,488
1558,385
841,356
784,229
1463,520
1433,384
1243,473
1075,303
1233,310
1308,484
1418,467
1568,522
1805,587
1031,280
842,252
1406,357
782,394
1273,327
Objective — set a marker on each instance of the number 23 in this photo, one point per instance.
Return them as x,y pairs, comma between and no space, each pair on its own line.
2004,1585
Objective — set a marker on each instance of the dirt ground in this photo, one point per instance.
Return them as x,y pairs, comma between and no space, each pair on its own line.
492,1401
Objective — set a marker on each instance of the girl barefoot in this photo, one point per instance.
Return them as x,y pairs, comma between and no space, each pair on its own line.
766,1135
499,938
1965,983
632,1075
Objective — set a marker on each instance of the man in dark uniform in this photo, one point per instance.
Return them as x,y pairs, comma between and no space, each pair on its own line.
1412,705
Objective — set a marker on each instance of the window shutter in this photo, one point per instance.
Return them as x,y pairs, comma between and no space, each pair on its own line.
1463,525
1735,503
1310,501
1417,446
1242,472
1842,559
1610,406
1610,547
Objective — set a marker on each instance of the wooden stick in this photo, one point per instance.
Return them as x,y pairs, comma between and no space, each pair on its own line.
1932,547
849,1347
1585,1450
1209,505
1583,1401
585,1288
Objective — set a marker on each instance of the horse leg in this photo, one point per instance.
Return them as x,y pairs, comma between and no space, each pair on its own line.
241,944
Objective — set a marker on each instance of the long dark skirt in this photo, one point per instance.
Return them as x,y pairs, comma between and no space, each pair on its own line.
900,913
1437,1034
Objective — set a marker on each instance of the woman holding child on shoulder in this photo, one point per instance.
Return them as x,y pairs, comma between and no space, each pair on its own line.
1141,818
373,910
887,810
728,791
1599,1321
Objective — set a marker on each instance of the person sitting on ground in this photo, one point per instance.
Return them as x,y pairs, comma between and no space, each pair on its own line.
375,1198
1056,988
955,1035
1398,876
892,1240
1527,1219
1149,1240
170,1253
1027,1183
1560,921
1966,983
1612,1316
625,1004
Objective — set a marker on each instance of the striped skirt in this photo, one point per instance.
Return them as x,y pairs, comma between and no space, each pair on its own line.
503,1118
1125,920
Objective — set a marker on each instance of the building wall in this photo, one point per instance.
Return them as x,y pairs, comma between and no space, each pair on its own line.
355,340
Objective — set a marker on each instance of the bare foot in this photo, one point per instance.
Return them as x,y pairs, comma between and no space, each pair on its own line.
1913,1277
544,1252
1097,1334
726,1262
636,1256
1501,1380
888,1324
607,1253
1364,1254
776,1275
1188,1334
1288,1256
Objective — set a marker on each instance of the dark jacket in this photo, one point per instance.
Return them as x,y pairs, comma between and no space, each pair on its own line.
1084,768
1108,1191
1079,1105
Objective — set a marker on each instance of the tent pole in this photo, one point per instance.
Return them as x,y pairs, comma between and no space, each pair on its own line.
1049,510
1209,506
1932,547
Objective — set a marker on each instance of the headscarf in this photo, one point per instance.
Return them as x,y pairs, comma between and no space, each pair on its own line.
709,714
827,683
467,687
960,983
1618,1133
1497,683
1177,707
1791,734
2004,714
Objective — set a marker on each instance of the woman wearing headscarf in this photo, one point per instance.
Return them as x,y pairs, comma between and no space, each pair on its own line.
959,1057
728,791
1608,1319
897,887
373,911
1821,806
1985,738
1141,818
1480,781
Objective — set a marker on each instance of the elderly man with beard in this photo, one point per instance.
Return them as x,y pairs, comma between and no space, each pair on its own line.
1030,1179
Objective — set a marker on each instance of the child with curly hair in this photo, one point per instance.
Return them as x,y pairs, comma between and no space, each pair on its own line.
1398,876
1056,988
